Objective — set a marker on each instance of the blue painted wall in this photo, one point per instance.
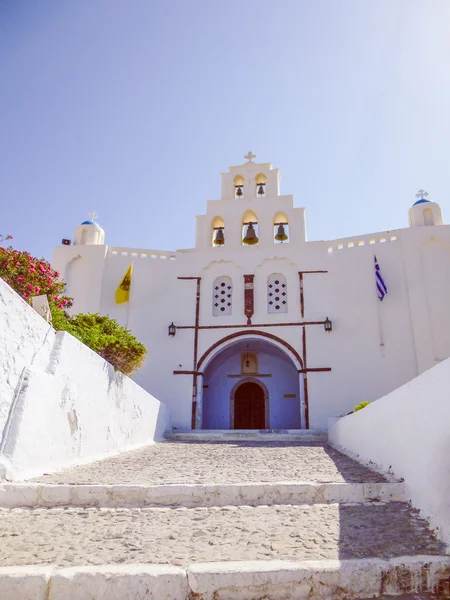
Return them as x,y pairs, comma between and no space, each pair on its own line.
284,412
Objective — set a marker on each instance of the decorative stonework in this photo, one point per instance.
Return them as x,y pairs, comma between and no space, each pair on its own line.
249,302
222,297
277,294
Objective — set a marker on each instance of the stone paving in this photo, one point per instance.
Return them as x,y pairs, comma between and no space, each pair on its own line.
224,462
179,536
412,597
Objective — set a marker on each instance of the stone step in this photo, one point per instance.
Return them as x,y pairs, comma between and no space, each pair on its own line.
261,435
179,536
36,495
220,462
250,580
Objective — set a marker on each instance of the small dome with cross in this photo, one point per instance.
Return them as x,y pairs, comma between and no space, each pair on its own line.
421,196
424,212
89,232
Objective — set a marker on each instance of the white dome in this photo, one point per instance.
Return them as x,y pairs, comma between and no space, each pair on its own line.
89,233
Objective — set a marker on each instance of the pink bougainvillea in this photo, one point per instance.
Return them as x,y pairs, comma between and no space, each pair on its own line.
30,276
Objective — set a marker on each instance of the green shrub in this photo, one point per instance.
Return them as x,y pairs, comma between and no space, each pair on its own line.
105,336
360,406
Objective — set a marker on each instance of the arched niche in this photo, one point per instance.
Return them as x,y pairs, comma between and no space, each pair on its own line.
76,276
218,232
238,186
280,228
261,181
250,228
428,217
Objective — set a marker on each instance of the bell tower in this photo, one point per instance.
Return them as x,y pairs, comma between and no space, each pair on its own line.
251,212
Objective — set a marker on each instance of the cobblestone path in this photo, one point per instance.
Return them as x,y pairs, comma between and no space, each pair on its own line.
224,462
179,536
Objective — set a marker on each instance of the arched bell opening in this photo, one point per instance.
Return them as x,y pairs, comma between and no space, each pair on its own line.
251,384
280,228
428,216
250,229
218,232
261,185
238,186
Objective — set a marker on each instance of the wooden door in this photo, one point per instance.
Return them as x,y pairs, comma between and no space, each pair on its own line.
249,407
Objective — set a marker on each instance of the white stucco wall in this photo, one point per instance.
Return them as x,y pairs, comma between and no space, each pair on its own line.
374,347
25,339
407,431
61,403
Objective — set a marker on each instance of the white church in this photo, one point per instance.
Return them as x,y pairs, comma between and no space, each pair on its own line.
258,328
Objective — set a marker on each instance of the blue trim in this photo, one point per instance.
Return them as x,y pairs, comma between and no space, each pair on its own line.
420,201
88,223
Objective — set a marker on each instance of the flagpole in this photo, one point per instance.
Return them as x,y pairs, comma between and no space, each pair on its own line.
380,327
129,299
379,314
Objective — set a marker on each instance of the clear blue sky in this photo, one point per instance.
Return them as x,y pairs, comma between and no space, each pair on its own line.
134,108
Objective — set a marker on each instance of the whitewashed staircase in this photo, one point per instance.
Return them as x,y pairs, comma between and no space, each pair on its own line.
167,522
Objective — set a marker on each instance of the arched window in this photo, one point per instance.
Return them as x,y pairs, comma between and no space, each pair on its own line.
428,216
280,228
250,229
218,232
261,185
238,186
277,294
222,296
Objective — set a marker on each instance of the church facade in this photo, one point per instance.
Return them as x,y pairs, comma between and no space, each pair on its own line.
258,328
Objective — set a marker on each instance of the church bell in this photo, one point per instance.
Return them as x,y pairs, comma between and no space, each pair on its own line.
250,236
261,190
239,191
281,234
219,239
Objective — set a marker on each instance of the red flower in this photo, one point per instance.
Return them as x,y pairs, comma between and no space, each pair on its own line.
37,289
20,279
56,274
60,305
29,286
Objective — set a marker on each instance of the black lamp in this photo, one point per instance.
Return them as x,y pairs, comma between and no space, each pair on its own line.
247,362
328,325
172,330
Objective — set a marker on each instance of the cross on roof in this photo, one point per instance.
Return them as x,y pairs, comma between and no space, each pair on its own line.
421,194
250,156
92,215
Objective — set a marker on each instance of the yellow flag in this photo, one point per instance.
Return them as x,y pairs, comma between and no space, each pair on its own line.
123,291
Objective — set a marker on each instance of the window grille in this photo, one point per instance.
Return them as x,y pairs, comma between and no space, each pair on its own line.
277,294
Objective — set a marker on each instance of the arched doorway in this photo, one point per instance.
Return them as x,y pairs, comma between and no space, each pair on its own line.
248,405
228,402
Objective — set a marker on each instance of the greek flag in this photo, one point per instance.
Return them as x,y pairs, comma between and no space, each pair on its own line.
381,286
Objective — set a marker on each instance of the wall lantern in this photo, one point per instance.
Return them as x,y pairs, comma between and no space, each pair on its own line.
247,362
172,330
328,325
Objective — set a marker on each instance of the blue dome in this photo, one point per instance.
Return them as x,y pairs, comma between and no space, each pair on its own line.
421,201
92,222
